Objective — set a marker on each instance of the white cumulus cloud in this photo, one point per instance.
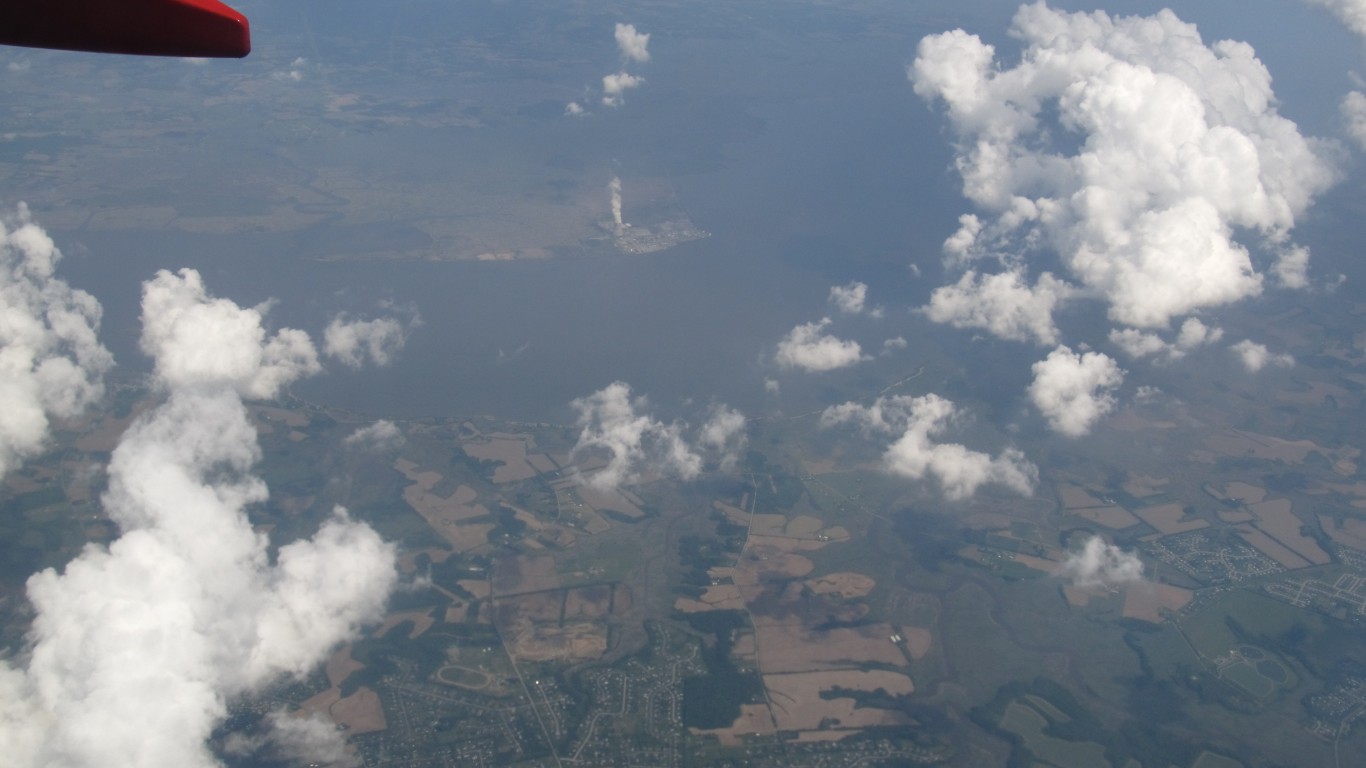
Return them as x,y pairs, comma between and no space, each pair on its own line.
724,435
1256,356
1193,334
1098,564
916,421
137,648
634,45
354,342
808,348
1074,390
198,340
850,298
1354,114
615,86
618,427
51,361
1002,304
382,436
1350,12
1128,148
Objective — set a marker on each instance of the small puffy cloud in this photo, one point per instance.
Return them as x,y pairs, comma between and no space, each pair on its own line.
295,738
295,73
382,436
773,387
1074,390
1193,334
1349,12
618,427
1098,564
1002,304
1147,394
634,45
616,85
1354,113
724,435
634,442
893,344
850,298
1256,356
574,109
807,348
51,361
310,740
354,342
1129,148
201,341
915,454
1291,267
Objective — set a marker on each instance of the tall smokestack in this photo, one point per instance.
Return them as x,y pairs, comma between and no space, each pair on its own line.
615,188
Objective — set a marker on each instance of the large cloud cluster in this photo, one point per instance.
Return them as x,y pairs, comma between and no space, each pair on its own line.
51,361
1098,564
617,426
914,453
1133,153
138,647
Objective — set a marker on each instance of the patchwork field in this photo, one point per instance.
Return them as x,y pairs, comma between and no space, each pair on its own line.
799,704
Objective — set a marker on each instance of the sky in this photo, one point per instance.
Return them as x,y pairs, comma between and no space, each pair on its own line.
1054,208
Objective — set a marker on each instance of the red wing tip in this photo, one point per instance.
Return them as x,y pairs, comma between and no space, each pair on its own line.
197,28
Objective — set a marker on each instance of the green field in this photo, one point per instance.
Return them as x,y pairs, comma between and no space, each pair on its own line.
1029,724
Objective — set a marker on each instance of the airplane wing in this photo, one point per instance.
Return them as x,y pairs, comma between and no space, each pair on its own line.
204,28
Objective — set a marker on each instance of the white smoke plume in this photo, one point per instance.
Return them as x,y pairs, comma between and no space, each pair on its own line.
614,423
615,86
137,648
356,342
806,347
51,361
915,454
1256,356
634,45
1073,390
382,437
1161,150
614,190
1098,564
